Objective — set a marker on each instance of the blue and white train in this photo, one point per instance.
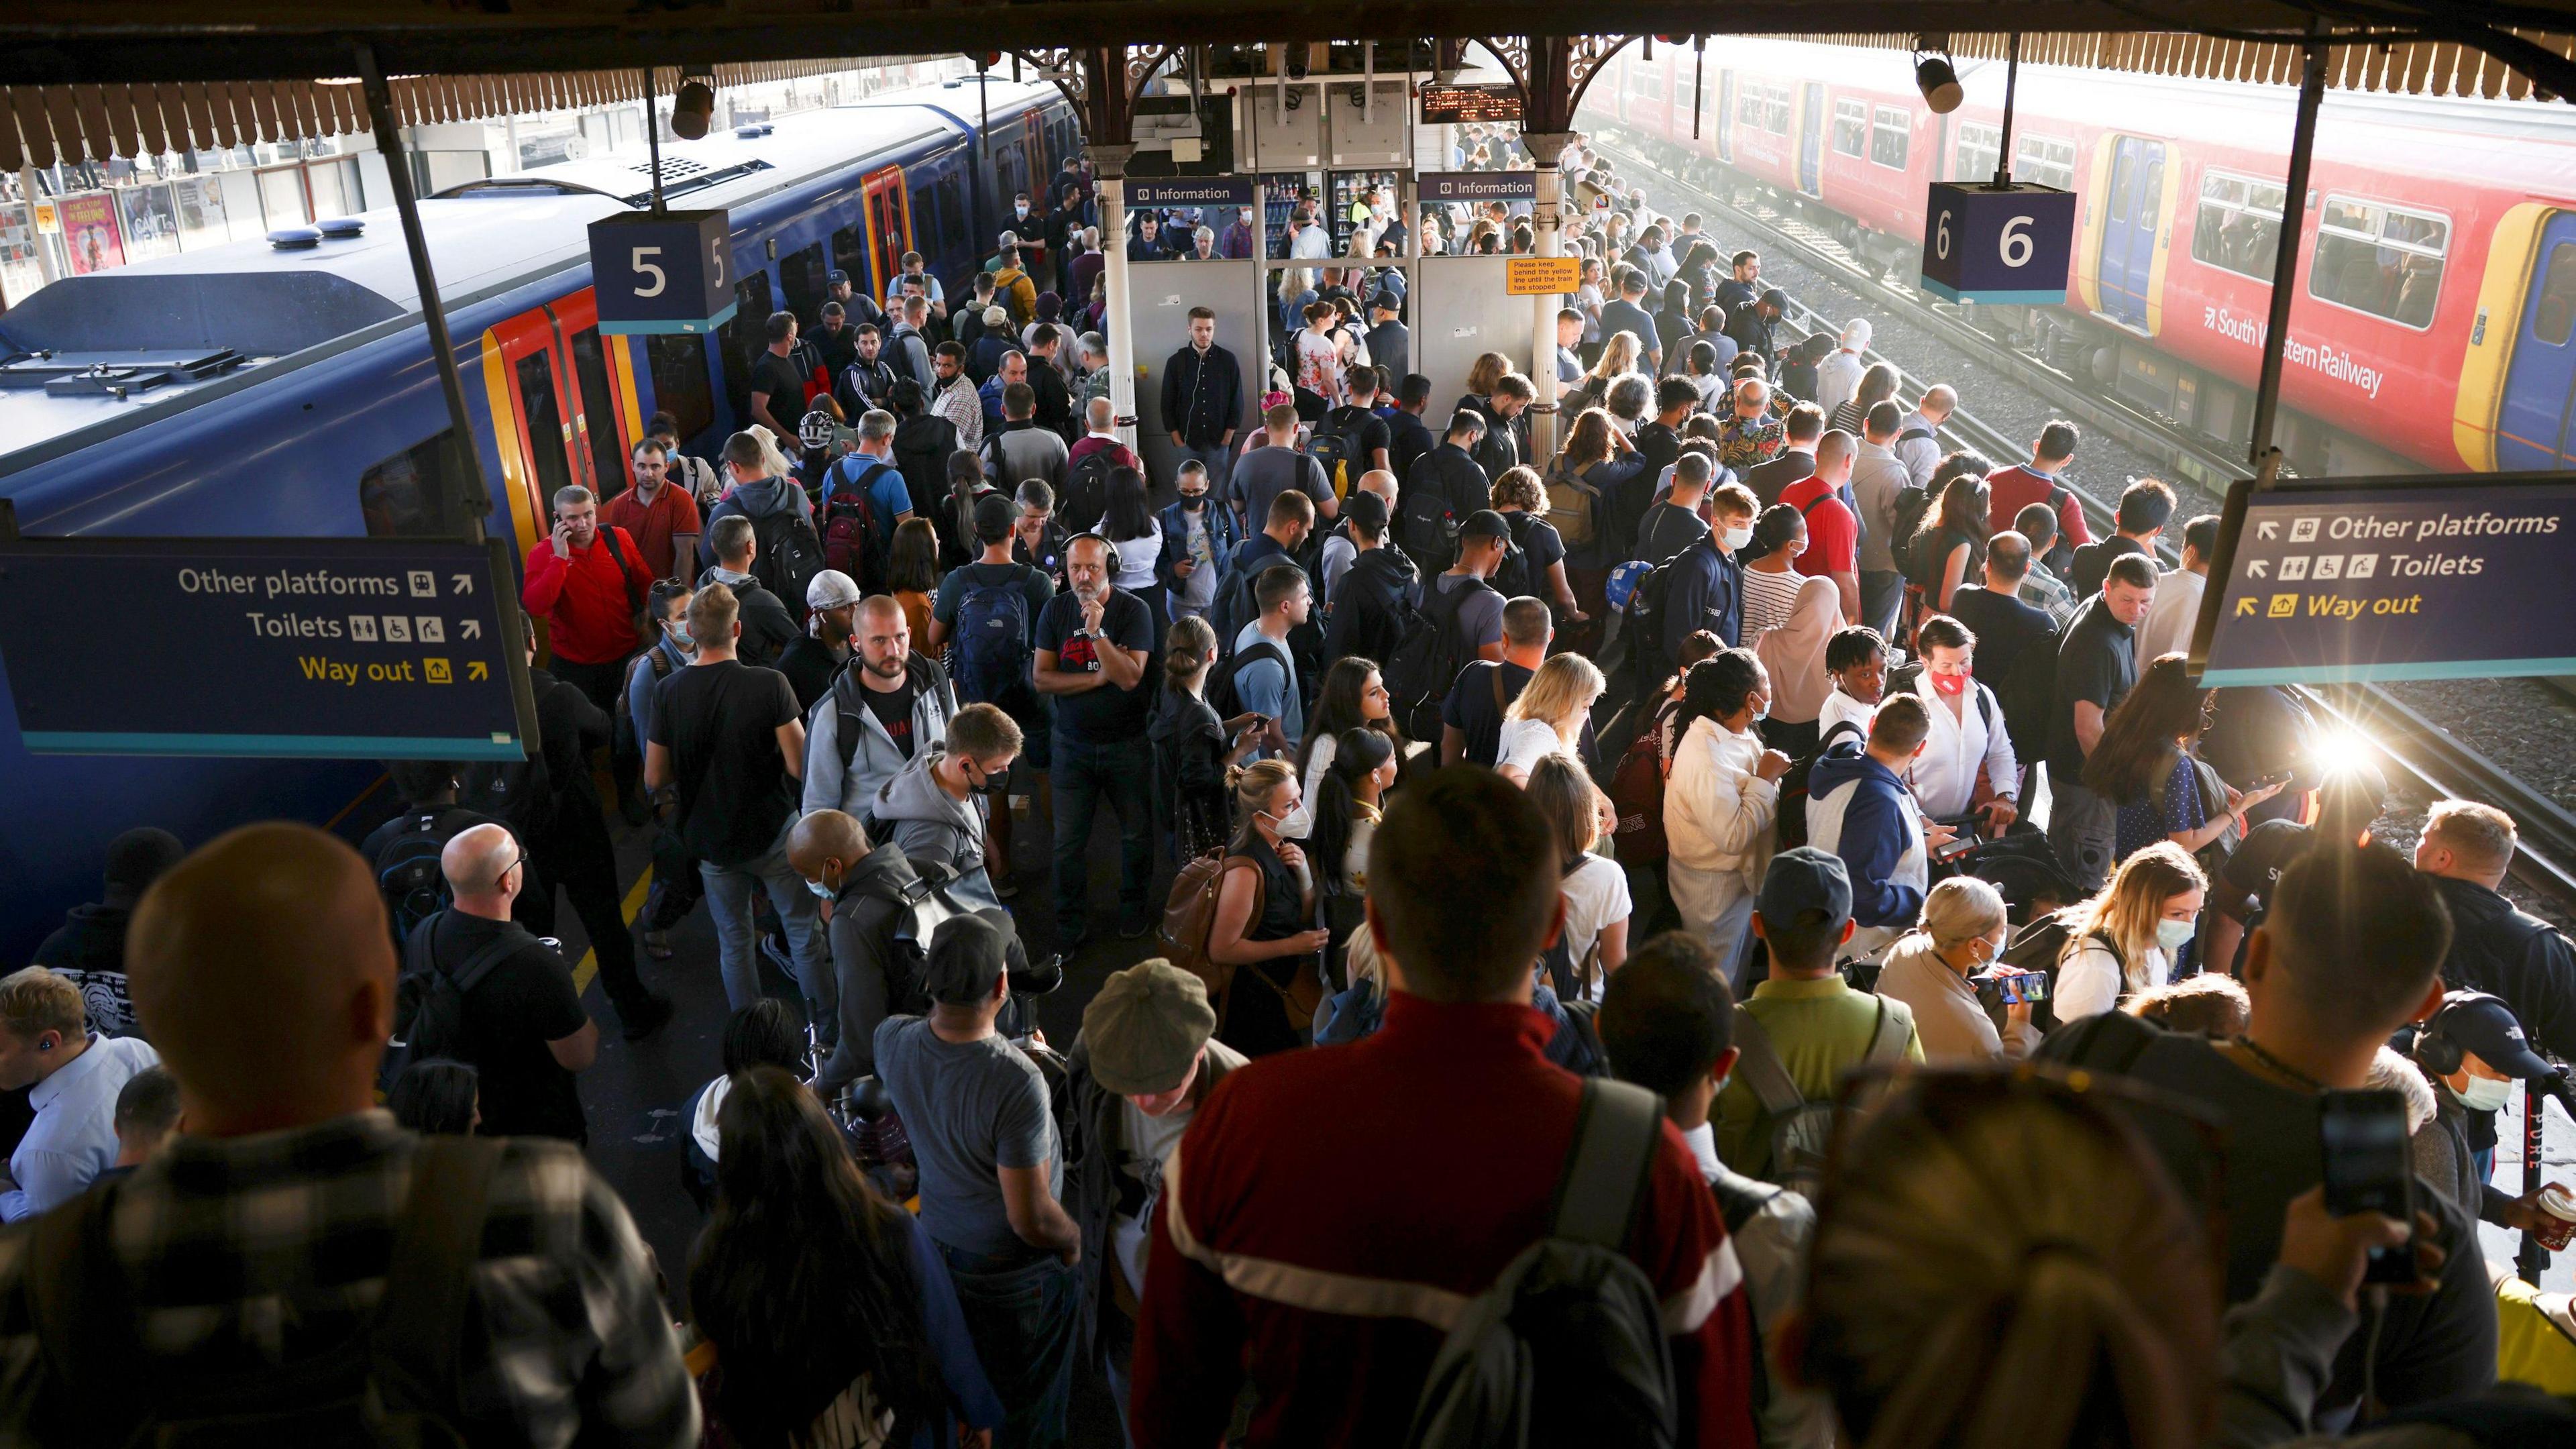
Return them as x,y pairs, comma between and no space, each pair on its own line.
332,422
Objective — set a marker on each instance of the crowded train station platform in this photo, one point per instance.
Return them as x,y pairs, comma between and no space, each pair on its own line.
1798,739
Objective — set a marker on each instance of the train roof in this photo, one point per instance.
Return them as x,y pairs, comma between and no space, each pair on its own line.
180,316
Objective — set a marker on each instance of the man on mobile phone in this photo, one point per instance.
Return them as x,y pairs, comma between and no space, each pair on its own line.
2350,950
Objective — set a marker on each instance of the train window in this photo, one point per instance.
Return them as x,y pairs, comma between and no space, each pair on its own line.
2238,226
679,363
2379,259
1851,127
944,218
545,418
1980,147
1775,110
800,278
744,337
1891,130
2045,160
2556,315
599,413
413,494
1748,109
850,254
1645,82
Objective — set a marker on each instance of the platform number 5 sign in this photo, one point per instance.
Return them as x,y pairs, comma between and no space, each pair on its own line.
662,273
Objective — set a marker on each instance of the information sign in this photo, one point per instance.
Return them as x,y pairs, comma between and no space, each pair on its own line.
2345,579
1541,276
363,648
670,272
1983,243
1191,191
1455,105
1477,185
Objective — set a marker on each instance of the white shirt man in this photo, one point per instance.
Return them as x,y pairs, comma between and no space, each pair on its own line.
1838,376
2167,627
73,1079
1967,732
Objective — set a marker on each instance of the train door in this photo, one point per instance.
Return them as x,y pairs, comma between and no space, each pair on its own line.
2128,255
1041,163
2540,383
1811,138
889,223
529,383
742,339
604,418
1725,117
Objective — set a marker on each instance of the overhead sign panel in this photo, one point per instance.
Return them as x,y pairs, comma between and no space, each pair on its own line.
1192,191
360,648
1477,185
2398,578
669,272
1541,276
2008,244
1455,105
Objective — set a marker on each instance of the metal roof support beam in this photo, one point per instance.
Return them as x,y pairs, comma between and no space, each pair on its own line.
2285,259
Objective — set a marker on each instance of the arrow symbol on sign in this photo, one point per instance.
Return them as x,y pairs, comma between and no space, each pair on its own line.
473,628
2255,569
476,669
2268,528
465,582
2243,608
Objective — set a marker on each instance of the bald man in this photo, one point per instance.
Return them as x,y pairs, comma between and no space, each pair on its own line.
263,968
877,715
522,1025
1918,438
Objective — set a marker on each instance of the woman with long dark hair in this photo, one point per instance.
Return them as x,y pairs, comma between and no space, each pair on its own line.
2147,764
1771,576
1877,385
1345,811
831,1314
1353,696
1129,522
1700,270
1951,543
912,572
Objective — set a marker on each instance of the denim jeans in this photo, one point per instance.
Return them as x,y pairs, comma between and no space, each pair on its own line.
1084,774
1023,1320
729,892
1881,596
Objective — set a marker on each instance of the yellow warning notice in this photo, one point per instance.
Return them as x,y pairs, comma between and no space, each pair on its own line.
1541,276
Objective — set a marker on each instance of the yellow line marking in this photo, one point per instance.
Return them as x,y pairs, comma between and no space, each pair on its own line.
589,965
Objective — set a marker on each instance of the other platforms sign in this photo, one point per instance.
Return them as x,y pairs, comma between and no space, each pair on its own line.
2398,578
357,648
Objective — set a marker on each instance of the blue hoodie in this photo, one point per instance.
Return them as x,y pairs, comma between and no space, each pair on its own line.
1858,809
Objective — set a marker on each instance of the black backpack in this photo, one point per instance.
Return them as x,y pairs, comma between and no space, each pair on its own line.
791,554
394,1382
408,875
1792,819
1911,504
1427,659
1567,1345
1086,491
429,1000
1514,577
518,793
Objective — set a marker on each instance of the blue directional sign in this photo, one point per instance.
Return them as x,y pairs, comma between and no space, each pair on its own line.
670,272
362,648
2008,244
2345,579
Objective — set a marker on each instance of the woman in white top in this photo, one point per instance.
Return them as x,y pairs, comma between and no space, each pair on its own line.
1967,732
1319,355
1346,810
1721,802
1961,932
2123,941
1771,576
1548,716
1596,889
1129,523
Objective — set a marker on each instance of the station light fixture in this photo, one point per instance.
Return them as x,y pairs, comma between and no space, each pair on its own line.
693,110
1935,76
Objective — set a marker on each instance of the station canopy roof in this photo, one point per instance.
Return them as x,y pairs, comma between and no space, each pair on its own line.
79,79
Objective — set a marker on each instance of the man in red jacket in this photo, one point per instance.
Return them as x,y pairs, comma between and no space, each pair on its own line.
1331,1212
588,583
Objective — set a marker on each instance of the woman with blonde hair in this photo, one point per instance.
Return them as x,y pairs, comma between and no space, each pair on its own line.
1618,359
1548,717
1961,932
2124,940
1488,370
1263,902
1597,904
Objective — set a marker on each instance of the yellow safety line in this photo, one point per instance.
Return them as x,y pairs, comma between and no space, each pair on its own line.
589,966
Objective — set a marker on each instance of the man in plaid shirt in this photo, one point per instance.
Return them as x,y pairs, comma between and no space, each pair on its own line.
262,968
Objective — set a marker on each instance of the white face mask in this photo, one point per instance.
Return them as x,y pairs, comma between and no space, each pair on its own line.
1297,824
2485,1094
2174,935
1736,538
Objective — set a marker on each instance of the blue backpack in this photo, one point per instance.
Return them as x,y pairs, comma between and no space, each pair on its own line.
993,633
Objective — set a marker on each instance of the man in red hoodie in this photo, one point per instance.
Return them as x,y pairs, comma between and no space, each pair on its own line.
588,583
1331,1212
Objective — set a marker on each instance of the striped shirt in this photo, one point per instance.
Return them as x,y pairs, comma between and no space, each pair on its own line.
250,1253
1769,599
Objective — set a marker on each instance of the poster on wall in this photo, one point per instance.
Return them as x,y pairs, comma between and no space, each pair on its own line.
90,233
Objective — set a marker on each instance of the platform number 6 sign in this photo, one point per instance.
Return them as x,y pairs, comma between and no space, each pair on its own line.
1998,245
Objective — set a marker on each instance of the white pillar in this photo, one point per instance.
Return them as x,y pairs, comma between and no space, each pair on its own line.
1544,148
1109,168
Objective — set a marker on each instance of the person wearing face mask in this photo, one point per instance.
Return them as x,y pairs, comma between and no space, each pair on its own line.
1196,534
1707,589
1959,935
1264,902
1721,801
2124,940
2474,1052
1138,1073
1968,767
936,809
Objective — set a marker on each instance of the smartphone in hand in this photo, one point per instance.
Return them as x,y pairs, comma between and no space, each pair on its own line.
2368,1168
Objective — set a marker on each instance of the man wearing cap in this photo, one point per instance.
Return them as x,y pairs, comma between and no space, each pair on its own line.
1806,1016
89,947
2475,1052
1390,344
1144,1062
1751,325
991,1166
1838,376
813,657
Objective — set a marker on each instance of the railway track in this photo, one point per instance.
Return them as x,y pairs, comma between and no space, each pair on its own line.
2429,758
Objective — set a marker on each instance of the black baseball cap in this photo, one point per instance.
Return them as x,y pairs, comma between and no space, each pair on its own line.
1366,509
1484,523
994,515
966,958
2485,1026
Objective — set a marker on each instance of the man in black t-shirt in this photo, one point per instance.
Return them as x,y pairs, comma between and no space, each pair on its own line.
1366,439
777,385
728,737
2096,668
524,1030
1093,642
1471,717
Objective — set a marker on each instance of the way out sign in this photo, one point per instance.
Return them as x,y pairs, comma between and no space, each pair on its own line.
2011,244
662,273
